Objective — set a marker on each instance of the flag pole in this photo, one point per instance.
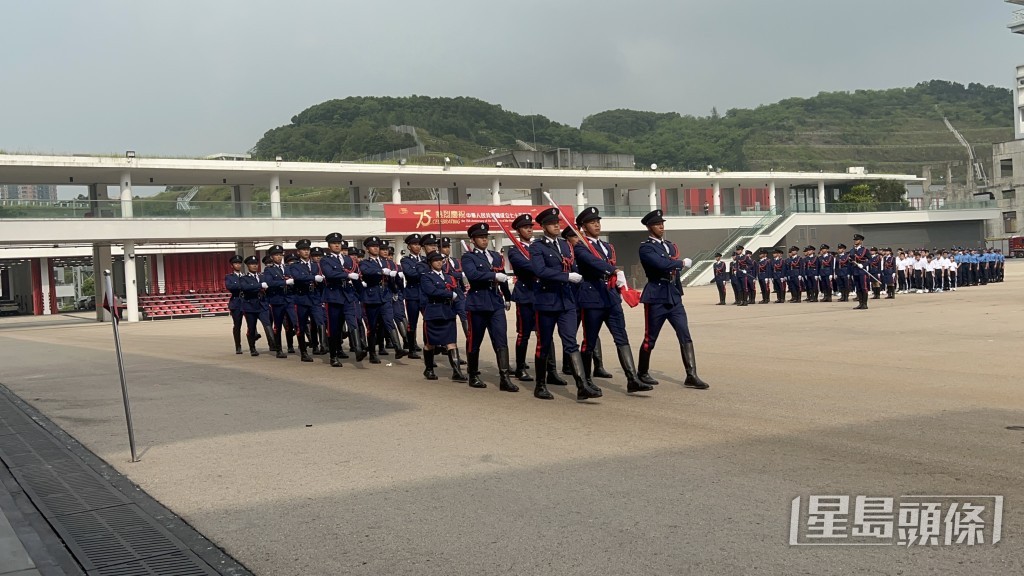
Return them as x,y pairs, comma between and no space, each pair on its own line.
111,303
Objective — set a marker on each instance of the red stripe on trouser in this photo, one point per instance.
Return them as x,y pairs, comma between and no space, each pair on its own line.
583,322
426,340
536,326
298,321
647,322
273,319
469,332
519,326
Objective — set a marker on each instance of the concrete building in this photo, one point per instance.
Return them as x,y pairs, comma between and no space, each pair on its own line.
28,192
1008,160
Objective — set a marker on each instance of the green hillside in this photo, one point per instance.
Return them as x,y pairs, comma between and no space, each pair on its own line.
896,130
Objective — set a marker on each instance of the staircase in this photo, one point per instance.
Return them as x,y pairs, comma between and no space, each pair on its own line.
751,237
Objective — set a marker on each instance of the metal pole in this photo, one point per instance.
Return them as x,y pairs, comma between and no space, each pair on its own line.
120,361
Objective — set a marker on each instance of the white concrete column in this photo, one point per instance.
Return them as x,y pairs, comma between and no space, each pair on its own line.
717,198
496,192
131,288
275,196
126,195
771,195
161,278
100,261
44,285
396,190
581,196
821,196
652,195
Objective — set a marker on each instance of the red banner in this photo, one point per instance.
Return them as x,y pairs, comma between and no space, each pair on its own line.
454,218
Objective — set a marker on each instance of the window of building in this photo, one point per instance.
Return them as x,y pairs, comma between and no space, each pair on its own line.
1006,168
1010,222
1009,194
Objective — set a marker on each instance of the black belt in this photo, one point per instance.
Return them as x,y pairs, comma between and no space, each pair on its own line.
439,300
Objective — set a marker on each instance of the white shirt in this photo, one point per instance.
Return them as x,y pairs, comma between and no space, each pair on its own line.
919,264
901,264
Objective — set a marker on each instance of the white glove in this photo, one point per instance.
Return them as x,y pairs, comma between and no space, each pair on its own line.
318,278
264,285
353,276
401,275
290,281
508,306
687,262
393,273
575,278
455,296
364,284
501,277
859,265
620,279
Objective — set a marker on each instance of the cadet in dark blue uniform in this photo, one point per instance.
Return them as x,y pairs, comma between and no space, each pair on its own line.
764,275
744,275
251,287
289,296
410,266
232,285
453,268
663,299
721,277
319,331
336,270
595,346
275,283
875,268
859,260
794,272
376,297
304,273
486,303
843,273
396,284
810,275
826,269
555,267
779,276
439,332
522,293
889,273
599,299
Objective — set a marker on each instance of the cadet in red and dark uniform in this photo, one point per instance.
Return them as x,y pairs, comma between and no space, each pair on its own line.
794,272
875,268
486,303
522,293
232,284
889,273
439,293
764,275
779,276
376,297
276,283
411,269
721,277
826,269
304,273
663,299
859,259
843,283
744,275
810,274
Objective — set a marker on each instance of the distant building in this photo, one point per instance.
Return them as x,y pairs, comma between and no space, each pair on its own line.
558,158
28,192
1008,157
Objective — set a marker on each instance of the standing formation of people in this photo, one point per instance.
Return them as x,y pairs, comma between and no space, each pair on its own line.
563,282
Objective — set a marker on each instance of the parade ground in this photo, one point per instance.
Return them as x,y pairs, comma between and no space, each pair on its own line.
296,469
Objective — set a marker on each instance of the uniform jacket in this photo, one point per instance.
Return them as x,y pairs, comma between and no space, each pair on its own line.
526,280
437,292
551,260
594,292
277,289
720,271
662,266
337,286
376,291
794,266
485,293
305,284
232,283
412,270
252,292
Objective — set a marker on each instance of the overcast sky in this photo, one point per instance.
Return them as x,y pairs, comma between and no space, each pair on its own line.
193,77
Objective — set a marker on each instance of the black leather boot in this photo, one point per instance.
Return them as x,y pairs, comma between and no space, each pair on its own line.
645,365
599,371
474,370
456,363
633,384
278,347
862,299
321,347
334,347
566,365
252,345
553,378
428,362
504,382
540,390
358,338
400,351
690,363
588,358
521,372
304,352
584,390
236,333
371,348
412,350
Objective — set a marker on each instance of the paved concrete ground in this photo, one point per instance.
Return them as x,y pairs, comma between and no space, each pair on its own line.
303,469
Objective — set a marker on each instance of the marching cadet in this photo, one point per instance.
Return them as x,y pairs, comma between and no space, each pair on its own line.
275,282
289,295
336,269
411,269
453,268
859,260
598,358
266,318
810,275
744,275
522,293
232,283
779,276
764,274
354,311
555,267
486,303
305,275
319,331
439,294
721,277
376,297
752,281
889,273
663,299
599,299
794,272
397,287
875,267
734,279
251,287
843,272
826,270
